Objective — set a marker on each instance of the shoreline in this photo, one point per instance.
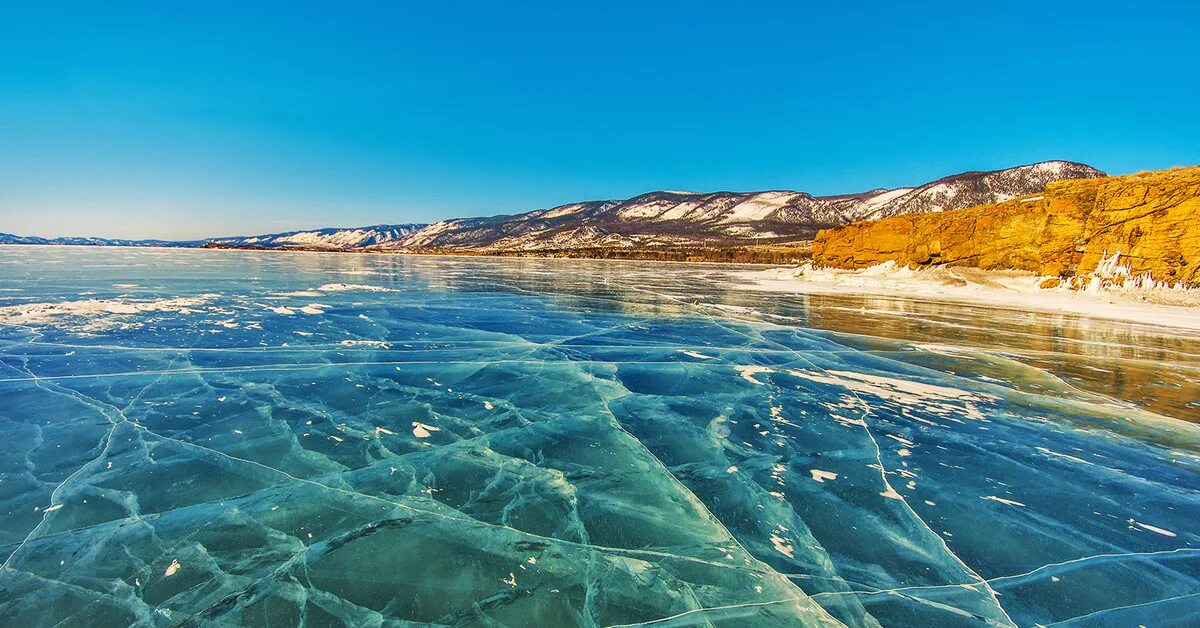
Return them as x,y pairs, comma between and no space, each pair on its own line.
456,254
1014,290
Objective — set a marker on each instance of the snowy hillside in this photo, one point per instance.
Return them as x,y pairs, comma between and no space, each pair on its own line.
689,217
331,238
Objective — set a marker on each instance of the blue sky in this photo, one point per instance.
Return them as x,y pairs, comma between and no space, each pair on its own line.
208,118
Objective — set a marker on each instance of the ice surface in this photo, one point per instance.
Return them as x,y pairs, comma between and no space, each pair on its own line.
454,441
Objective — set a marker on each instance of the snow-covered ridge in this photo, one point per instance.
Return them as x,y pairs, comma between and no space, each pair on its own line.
665,217
331,238
980,188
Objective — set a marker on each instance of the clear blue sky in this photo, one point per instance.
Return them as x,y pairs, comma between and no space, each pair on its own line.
203,118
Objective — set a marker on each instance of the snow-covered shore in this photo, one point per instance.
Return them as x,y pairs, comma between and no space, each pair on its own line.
1007,289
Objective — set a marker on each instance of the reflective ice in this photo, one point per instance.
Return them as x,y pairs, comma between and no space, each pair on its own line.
220,437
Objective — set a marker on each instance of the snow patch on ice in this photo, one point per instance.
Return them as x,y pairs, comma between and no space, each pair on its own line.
1154,529
938,400
382,344
1061,455
96,312
422,430
821,476
1004,501
748,373
783,546
352,287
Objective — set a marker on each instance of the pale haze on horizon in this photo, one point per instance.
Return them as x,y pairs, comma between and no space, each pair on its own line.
184,122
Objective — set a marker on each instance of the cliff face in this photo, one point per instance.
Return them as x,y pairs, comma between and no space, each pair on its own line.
1151,219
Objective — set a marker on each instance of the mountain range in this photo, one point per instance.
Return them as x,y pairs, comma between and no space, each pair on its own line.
655,219
330,238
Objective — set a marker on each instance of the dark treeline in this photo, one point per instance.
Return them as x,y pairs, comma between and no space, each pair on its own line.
793,253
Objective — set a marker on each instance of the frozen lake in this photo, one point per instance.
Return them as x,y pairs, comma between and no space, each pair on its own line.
274,439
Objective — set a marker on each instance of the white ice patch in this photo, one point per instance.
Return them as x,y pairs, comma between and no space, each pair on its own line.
946,350
96,311
698,356
1066,456
1154,529
352,287
366,343
939,400
422,430
748,373
821,476
1004,501
736,309
783,546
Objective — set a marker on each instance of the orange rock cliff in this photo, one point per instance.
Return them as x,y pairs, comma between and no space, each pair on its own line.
1152,219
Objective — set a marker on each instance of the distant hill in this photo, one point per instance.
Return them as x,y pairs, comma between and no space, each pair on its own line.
8,238
331,238
665,218
680,218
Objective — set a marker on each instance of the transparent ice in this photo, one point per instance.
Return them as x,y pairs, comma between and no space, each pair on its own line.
212,438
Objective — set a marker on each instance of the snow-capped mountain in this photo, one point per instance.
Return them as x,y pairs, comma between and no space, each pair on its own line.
330,238
660,218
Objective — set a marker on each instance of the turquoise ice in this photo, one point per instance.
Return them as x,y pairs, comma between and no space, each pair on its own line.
222,437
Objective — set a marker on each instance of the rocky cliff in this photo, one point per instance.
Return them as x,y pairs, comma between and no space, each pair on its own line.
1134,227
